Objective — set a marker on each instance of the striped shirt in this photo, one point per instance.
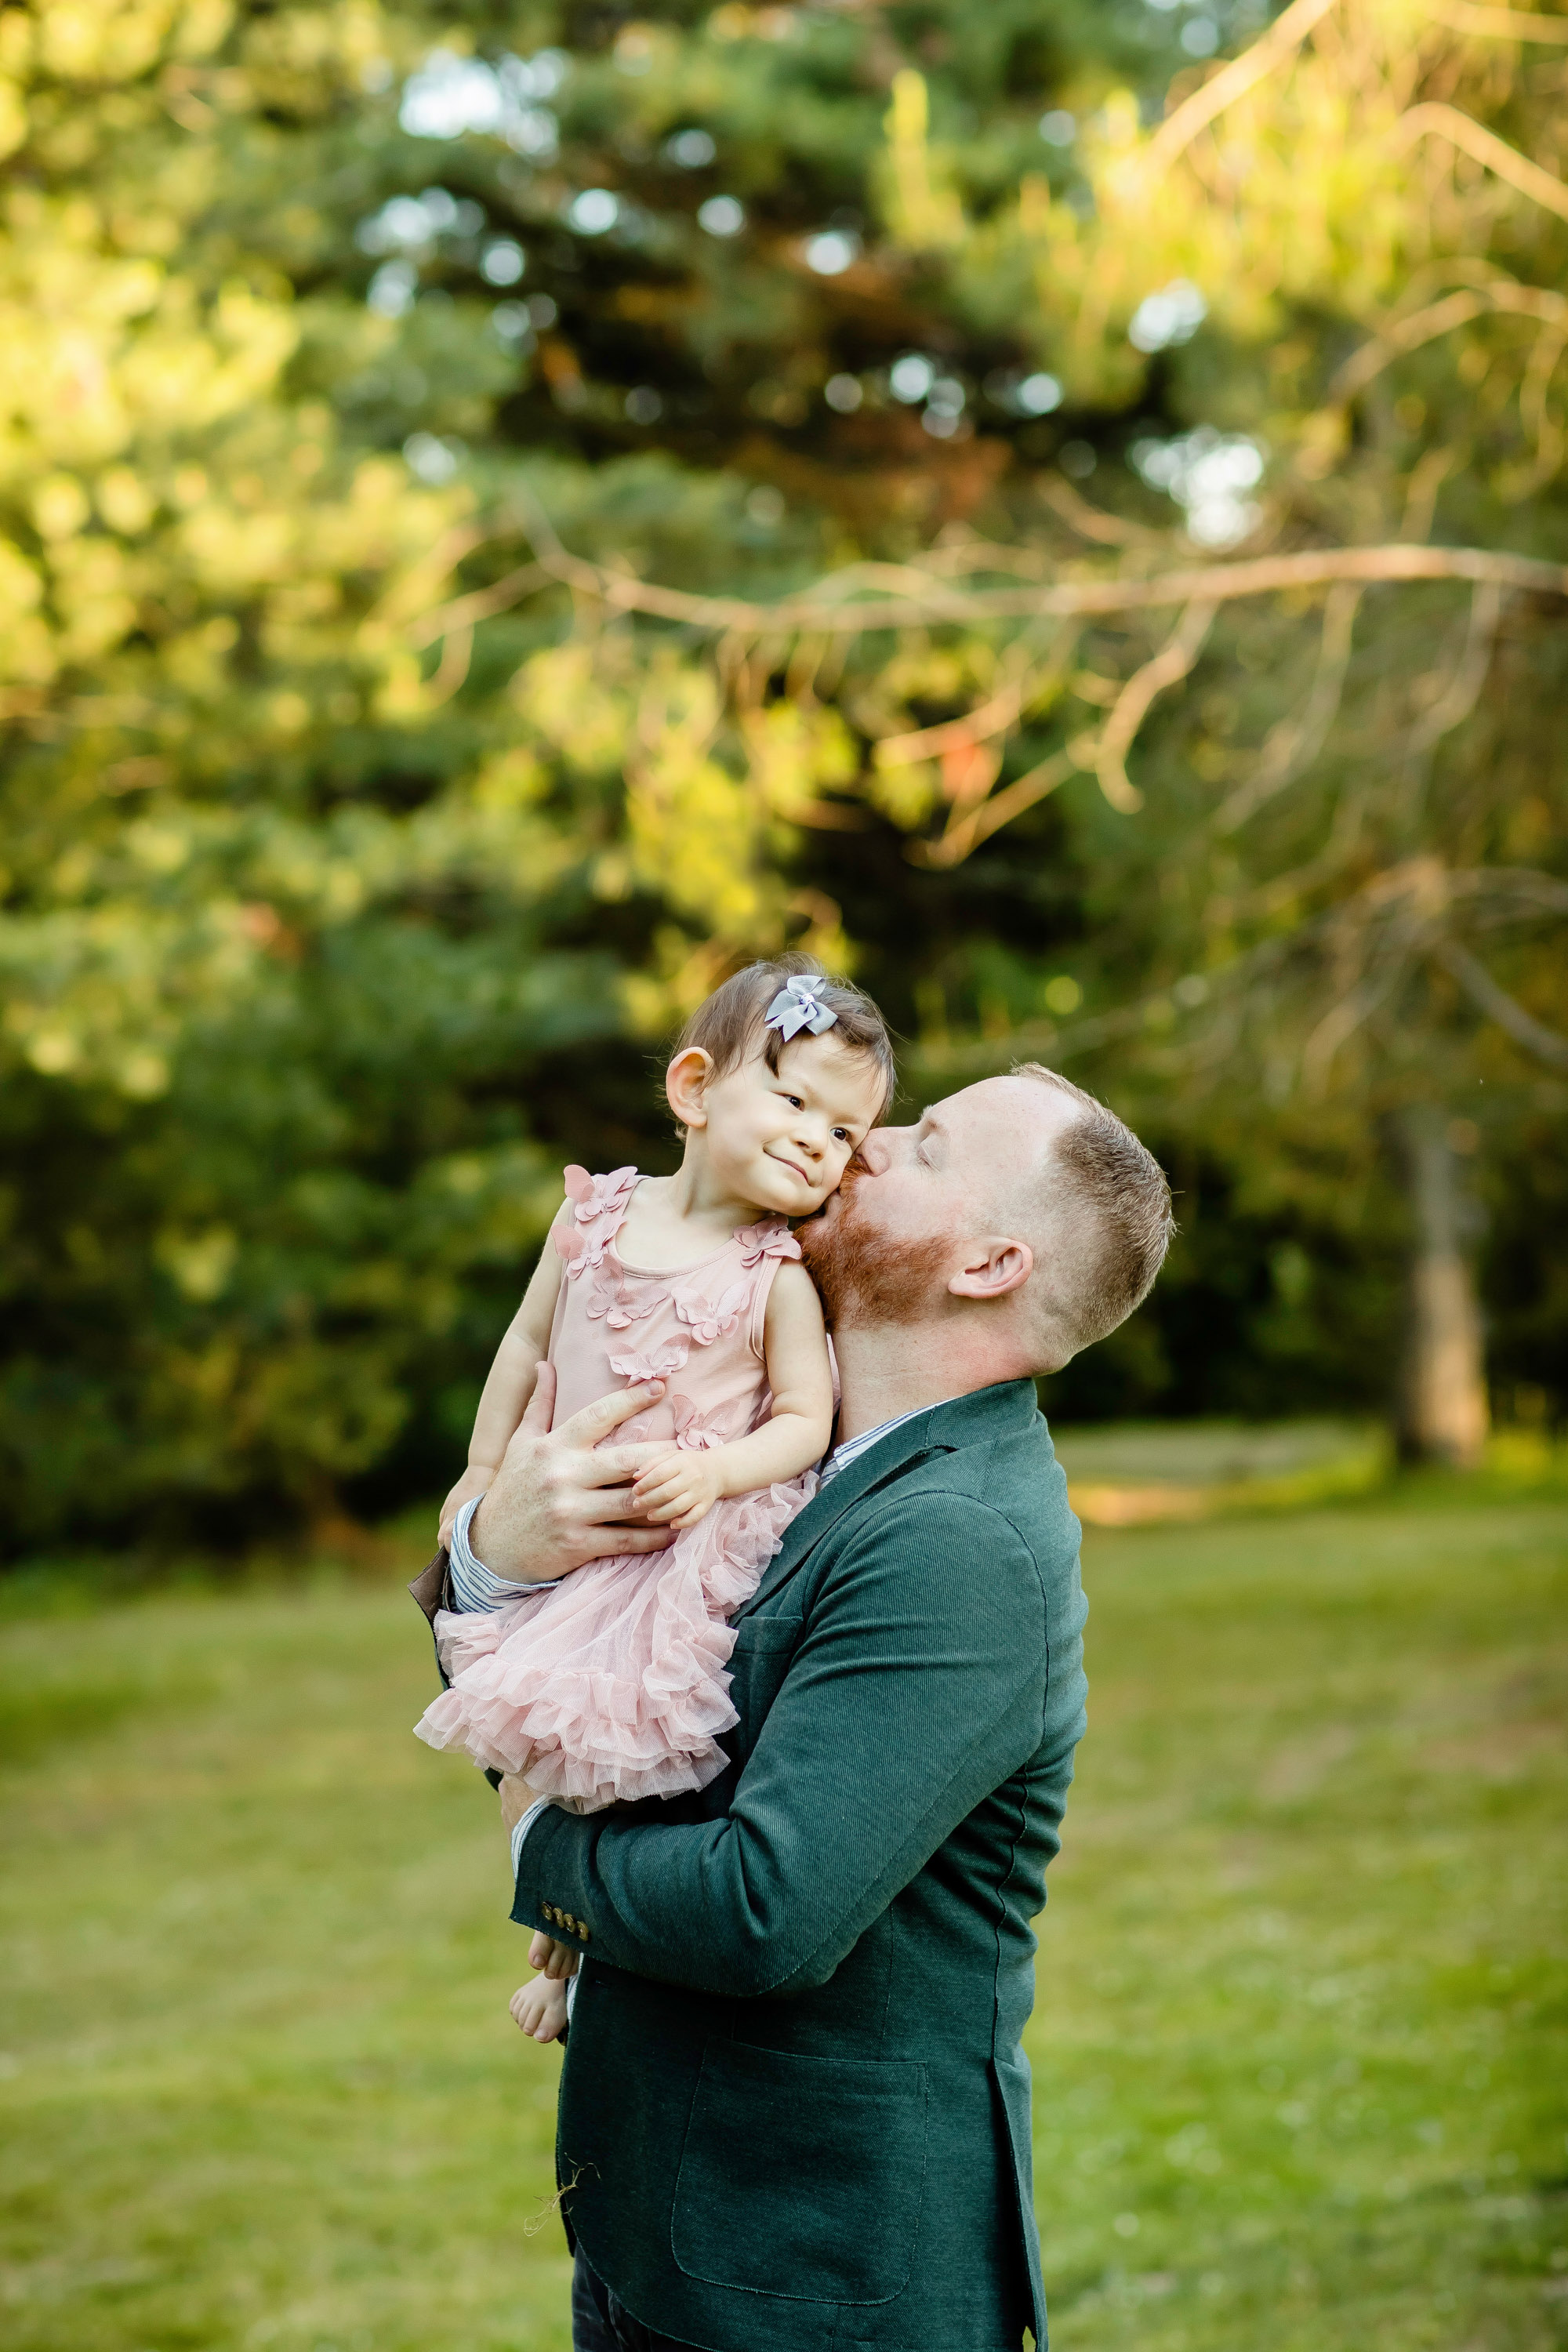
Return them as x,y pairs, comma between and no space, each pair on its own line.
853,1447
473,1586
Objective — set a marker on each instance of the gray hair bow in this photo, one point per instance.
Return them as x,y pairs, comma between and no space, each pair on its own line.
795,1008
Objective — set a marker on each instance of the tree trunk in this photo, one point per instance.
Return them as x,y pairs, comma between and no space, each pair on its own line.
1442,1414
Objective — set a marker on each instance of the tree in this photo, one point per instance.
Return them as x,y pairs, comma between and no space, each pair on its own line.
426,447
325,863
257,1159
1309,897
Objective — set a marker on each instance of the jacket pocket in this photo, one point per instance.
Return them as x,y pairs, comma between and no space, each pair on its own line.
802,2177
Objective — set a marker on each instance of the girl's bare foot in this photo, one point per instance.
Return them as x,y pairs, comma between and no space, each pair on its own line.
540,2008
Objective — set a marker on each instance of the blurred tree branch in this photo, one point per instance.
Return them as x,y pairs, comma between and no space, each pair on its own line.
1499,1006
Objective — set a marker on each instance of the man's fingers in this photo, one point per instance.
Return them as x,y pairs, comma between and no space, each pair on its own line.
542,1404
610,1543
613,1502
613,1465
596,1421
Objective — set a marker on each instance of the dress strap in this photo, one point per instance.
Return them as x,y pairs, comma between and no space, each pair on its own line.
763,1248
598,1206
769,1237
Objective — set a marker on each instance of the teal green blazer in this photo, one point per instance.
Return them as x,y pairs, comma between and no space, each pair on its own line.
793,2110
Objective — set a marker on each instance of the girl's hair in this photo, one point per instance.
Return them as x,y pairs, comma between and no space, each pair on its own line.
732,1022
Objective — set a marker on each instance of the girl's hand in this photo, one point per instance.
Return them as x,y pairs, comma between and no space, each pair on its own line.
680,1490
540,2008
475,1480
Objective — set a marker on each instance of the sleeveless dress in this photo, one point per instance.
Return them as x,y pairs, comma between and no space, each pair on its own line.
610,1685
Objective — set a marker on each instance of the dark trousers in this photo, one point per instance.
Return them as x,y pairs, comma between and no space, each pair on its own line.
601,2322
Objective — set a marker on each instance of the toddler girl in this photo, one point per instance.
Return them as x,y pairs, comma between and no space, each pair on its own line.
610,1685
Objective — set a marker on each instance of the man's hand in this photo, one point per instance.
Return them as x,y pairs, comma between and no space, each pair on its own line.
679,1488
556,1502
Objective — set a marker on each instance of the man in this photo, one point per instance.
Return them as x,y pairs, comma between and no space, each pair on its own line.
794,2114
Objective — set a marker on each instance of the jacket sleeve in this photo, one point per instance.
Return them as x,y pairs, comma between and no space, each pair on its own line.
919,1684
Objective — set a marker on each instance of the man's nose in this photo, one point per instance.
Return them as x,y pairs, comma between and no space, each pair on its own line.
880,1149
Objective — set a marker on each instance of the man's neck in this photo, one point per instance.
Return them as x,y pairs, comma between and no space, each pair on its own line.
894,1368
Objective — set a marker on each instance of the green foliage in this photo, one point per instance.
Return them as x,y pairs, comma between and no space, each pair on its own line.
355,862
1301,1983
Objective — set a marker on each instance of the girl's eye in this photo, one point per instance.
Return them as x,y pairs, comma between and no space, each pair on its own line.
795,1102
841,1135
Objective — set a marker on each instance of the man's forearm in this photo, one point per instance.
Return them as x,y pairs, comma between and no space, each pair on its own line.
918,1686
475,1586
503,1537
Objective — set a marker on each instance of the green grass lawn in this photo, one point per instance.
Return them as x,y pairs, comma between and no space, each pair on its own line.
1300,2044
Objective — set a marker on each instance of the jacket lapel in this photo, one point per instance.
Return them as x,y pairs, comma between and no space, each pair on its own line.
827,1506
942,1430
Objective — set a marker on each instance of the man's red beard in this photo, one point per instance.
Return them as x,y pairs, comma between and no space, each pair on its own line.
865,1276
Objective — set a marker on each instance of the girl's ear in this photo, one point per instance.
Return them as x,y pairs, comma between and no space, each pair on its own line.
686,1086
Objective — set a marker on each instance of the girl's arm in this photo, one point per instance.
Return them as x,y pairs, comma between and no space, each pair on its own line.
510,1382
684,1485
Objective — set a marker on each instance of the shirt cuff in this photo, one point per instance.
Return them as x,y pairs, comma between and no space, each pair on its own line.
473,1586
520,1830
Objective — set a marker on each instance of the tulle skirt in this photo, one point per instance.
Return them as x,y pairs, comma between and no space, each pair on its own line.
611,1686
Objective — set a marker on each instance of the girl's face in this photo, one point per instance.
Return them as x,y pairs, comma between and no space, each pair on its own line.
781,1138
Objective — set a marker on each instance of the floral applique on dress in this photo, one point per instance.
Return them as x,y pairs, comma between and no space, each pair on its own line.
714,1319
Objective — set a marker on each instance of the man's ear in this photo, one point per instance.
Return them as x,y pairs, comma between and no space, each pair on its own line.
686,1084
993,1266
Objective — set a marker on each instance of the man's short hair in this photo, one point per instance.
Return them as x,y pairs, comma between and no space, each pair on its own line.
1125,1219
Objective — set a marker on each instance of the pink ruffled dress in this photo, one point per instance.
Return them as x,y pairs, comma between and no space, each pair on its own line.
612,1684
